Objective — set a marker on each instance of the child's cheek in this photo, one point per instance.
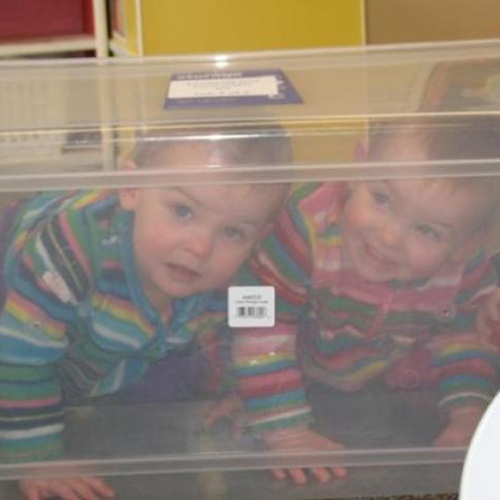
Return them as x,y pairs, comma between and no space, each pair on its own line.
357,216
424,261
230,262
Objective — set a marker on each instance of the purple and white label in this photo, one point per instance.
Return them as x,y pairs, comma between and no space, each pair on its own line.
230,88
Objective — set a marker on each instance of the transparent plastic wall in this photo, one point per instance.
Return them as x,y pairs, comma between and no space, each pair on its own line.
235,274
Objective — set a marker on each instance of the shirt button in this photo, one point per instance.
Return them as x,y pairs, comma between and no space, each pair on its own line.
445,312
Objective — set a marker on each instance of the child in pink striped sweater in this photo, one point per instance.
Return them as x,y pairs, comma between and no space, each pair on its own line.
377,280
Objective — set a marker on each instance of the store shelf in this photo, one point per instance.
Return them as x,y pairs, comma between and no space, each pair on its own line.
48,45
97,41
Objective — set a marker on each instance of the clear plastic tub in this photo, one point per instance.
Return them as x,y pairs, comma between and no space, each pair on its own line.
133,190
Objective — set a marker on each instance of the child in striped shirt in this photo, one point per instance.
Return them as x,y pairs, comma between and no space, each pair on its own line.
102,284
376,280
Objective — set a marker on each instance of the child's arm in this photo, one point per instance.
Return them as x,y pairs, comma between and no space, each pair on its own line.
467,367
269,374
68,488
462,423
272,387
488,317
304,438
33,324
270,380
265,359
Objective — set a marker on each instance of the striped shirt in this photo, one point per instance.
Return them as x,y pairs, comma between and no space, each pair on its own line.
76,321
335,328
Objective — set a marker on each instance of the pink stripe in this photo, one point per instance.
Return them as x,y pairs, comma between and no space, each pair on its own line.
32,403
346,284
111,264
260,383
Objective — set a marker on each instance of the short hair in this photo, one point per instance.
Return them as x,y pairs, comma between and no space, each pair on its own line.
267,144
465,137
468,137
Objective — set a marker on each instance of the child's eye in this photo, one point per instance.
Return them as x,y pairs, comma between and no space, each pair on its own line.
428,232
380,198
182,211
233,233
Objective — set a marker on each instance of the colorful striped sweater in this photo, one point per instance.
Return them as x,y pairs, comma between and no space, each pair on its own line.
337,329
76,321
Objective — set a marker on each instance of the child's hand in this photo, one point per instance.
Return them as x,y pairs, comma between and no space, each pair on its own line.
66,488
230,408
303,438
460,428
488,317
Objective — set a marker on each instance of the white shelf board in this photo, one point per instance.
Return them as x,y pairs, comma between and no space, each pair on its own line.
47,45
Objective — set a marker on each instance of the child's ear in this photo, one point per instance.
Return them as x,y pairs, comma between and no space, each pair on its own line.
128,196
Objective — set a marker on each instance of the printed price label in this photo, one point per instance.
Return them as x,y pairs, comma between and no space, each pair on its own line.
230,88
251,306
224,87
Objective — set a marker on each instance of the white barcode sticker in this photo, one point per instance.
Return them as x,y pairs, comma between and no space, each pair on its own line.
223,87
251,306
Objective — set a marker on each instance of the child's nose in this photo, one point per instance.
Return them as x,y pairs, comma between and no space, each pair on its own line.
200,244
392,234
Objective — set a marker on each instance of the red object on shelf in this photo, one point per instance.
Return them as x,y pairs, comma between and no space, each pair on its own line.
21,19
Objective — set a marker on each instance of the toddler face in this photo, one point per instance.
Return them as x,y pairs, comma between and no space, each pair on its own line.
189,240
408,229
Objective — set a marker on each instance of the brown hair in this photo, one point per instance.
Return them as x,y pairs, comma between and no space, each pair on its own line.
239,145
471,137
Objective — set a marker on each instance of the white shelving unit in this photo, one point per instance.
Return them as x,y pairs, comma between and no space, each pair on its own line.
39,97
98,41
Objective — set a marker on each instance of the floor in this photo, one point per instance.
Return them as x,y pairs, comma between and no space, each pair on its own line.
147,451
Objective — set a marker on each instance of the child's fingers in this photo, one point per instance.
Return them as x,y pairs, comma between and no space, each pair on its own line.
321,474
72,488
99,486
34,489
308,439
279,474
298,476
324,475
30,492
88,488
227,408
339,472
64,491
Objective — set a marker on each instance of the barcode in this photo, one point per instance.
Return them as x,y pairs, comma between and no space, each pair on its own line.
251,312
251,307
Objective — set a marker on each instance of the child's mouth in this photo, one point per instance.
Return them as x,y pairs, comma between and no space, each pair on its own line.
376,256
182,273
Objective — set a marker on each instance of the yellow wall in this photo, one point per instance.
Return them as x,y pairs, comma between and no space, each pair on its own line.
200,26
